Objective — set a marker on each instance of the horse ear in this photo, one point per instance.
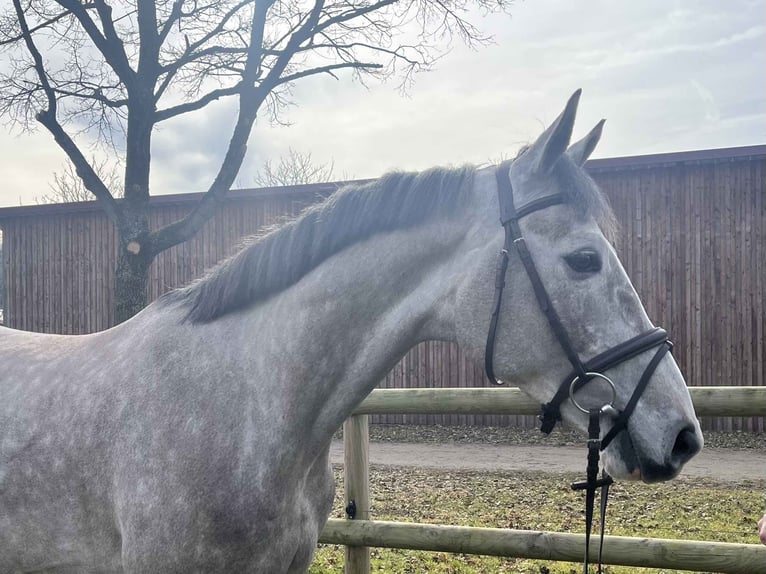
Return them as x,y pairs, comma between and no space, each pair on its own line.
581,150
553,142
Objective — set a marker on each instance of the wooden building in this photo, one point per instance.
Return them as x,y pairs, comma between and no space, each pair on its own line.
692,240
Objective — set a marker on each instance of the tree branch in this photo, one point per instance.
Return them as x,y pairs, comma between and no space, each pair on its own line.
90,178
351,14
221,26
36,58
190,53
326,70
171,70
49,22
109,43
212,96
175,15
95,95
48,119
250,97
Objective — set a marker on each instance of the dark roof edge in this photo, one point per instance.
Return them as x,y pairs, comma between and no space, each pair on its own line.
716,155
325,189
296,191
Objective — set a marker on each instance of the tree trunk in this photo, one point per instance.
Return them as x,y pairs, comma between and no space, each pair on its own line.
131,279
136,250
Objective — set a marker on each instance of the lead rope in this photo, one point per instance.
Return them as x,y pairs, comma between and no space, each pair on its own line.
593,483
604,496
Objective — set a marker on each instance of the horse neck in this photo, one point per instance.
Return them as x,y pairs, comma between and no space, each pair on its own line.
324,343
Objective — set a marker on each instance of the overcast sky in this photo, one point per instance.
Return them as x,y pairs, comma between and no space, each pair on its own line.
667,75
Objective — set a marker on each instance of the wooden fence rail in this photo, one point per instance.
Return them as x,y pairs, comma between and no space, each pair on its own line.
620,550
361,533
708,401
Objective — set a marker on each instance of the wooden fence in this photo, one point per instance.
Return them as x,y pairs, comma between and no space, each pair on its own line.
692,240
699,556
359,534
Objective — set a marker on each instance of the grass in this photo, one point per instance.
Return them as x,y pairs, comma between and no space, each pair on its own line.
697,510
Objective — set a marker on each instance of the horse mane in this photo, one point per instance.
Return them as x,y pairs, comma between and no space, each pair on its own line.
280,258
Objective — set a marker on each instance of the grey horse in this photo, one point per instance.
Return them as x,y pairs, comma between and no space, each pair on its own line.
195,436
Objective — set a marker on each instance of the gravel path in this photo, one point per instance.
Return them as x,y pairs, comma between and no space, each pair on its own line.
720,464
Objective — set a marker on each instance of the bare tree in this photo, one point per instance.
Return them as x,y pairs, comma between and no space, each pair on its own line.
295,168
67,187
118,69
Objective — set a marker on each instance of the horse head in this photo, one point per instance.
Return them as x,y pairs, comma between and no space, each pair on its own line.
569,305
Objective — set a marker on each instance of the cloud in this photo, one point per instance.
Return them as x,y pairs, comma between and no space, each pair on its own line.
708,101
27,163
668,76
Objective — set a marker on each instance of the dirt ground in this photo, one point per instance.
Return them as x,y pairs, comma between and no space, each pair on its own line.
721,464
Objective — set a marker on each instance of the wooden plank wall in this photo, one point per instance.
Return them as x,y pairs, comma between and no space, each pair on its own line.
61,267
693,243
691,239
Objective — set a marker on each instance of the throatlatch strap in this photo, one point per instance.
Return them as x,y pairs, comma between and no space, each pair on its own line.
502,267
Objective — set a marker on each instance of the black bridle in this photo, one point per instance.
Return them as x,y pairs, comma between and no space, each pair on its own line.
582,372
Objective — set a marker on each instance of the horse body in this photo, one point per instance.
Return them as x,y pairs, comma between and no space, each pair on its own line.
195,436
156,474
183,451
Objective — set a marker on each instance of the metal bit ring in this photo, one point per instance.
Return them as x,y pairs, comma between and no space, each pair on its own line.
608,406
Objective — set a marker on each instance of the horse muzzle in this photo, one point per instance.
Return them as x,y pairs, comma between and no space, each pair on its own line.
632,463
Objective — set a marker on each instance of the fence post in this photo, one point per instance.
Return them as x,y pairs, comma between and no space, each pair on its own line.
356,441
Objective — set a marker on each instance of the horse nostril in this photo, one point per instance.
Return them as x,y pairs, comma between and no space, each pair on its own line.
686,446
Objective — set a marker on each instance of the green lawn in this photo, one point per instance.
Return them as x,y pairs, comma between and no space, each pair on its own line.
695,510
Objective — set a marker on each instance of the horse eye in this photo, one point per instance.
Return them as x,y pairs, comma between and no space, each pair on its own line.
584,261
